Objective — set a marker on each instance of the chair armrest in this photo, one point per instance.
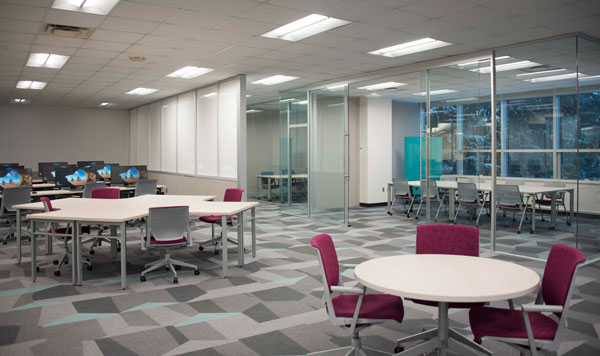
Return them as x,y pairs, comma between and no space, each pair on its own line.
542,308
348,265
353,290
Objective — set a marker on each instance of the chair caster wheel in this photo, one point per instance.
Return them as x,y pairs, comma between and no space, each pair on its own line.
66,262
196,272
37,269
568,223
4,242
416,218
518,232
89,268
478,341
175,280
92,252
215,252
398,349
57,273
177,268
201,248
390,214
119,249
143,279
55,262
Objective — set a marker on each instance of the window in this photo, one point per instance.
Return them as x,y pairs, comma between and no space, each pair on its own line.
528,123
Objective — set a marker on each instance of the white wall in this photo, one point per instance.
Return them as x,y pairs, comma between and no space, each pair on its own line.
354,151
30,134
405,123
375,148
262,145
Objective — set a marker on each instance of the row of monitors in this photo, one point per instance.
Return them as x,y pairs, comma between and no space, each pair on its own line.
71,176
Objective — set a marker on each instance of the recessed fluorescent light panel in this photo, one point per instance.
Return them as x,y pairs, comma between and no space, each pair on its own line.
553,78
253,111
47,60
29,84
189,72
541,72
422,45
481,61
382,86
507,66
436,92
98,7
336,87
209,95
305,27
141,91
301,102
107,105
276,79
20,101
461,100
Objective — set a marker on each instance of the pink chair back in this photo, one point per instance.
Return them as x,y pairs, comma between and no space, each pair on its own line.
47,203
106,193
448,240
559,272
329,259
233,194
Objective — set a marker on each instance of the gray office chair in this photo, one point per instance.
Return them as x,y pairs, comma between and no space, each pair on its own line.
434,195
168,228
509,198
87,189
145,187
13,196
546,199
403,192
469,196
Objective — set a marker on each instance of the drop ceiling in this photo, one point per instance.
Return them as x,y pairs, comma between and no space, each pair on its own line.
225,35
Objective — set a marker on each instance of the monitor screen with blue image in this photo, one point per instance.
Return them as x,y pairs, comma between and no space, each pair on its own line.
42,166
49,172
105,171
73,177
14,177
128,174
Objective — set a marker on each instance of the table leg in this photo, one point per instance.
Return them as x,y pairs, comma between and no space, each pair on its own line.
224,244
533,199
113,241
240,233
77,239
74,243
451,202
123,255
33,253
443,323
571,205
19,235
253,225
389,199
269,189
257,188
553,211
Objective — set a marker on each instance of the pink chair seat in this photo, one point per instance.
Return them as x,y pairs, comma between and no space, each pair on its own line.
154,241
374,306
214,219
64,230
509,323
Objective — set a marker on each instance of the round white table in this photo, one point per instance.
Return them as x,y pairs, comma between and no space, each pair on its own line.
445,279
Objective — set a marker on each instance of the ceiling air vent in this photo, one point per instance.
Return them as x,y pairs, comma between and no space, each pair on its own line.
66,31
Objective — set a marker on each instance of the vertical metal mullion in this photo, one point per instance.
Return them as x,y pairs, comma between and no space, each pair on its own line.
346,157
555,166
427,146
310,150
578,118
289,155
494,154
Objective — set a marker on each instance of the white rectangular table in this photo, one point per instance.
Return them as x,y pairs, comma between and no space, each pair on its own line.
274,177
532,190
118,212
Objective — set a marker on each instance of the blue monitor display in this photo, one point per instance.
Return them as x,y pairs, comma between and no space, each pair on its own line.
128,174
49,172
73,177
14,177
10,165
89,164
105,172
42,166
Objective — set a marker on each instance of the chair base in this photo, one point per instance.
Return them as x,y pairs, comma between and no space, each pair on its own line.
455,342
169,263
356,349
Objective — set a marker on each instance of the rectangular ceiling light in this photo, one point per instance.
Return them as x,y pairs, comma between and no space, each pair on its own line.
189,72
301,102
424,44
436,92
107,105
590,77
47,60
541,72
553,78
97,7
461,100
507,66
305,27
29,84
209,95
20,101
336,87
481,61
252,111
141,91
276,79
381,86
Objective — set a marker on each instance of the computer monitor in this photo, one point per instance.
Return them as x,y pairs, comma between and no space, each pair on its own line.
49,172
42,165
10,165
105,171
128,174
73,177
14,177
90,164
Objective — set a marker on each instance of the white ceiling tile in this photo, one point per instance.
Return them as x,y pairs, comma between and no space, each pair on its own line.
151,40
475,16
274,14
127,25
249,27
148,50
89,60
265,43
25,13
314,6
115,36
179,31
124,62
65,51
197,19
105,46
58,41
96,54
224,7
73,18
7,25
145,12
16,37
241,51
303,48
82,66
437,8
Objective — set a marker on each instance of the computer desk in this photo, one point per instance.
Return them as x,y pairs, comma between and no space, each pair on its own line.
160,187
532,190
273,177
117,212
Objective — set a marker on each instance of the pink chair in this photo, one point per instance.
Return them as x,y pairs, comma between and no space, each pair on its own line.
231,195
446,240
353,309
103,193
64,234
529,329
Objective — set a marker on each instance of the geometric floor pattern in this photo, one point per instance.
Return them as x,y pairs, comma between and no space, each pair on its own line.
271,306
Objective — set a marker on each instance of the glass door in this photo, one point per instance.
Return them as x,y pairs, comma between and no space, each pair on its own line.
328,159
